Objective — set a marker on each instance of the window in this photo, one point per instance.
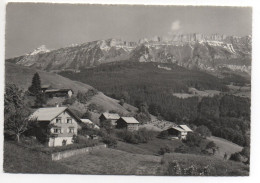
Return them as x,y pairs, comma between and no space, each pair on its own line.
71,130
69,120
57,130
58,120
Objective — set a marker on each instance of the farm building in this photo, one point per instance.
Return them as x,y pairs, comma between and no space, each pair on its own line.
129,123
90,123
59,92
52,92
113,117
179,131
59,122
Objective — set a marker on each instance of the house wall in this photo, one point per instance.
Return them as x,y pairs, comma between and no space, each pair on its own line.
58,141
121,124
70,93
132,127
102,118
64,126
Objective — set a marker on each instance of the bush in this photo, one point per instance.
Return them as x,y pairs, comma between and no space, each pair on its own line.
164,134
212,146
95,108
141,136
236,157
193,139
69,101
182,149
110,141
87,115
165,149
203,131
85,97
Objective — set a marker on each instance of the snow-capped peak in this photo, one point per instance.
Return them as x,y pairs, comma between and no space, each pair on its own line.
41,49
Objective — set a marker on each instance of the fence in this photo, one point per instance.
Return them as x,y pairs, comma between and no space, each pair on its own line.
65,154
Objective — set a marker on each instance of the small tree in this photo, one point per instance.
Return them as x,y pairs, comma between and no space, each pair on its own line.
35,88
87,115
122,101
212,146
203,131
107,125
16,113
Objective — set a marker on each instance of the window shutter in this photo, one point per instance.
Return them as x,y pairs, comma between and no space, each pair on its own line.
52,130
68,130
62,130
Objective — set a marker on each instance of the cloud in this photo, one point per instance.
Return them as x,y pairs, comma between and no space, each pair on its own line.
176,25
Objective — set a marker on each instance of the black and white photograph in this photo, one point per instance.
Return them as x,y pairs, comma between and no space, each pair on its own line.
112,89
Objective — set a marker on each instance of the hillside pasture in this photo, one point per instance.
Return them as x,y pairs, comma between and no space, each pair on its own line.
225,146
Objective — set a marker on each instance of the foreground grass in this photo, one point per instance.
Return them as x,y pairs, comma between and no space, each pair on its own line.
108,161
217,166
18,159
114,162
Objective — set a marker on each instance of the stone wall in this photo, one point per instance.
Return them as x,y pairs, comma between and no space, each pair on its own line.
65,154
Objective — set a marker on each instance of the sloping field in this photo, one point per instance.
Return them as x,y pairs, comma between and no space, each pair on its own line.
18,159
22,77
225,146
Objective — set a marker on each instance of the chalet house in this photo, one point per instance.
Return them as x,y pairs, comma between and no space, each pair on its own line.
113,117
179,131
50,92
59,122
129,123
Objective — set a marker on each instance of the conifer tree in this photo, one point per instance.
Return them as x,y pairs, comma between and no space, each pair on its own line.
35,88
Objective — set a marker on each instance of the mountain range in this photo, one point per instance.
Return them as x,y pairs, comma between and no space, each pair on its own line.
193,51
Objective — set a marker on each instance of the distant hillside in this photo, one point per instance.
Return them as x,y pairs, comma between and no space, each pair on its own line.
22,77
210,53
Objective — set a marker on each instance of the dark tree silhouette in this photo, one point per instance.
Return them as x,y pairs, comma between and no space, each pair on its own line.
35,88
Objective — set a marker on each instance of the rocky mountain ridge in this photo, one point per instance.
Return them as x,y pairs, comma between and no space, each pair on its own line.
205,52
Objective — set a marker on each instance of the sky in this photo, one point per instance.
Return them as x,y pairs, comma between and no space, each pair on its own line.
30,25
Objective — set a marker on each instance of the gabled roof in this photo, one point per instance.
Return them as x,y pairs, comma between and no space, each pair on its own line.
45,86
58,90
49,113
111,115
186,128
86,121
130,120
181,128
177,128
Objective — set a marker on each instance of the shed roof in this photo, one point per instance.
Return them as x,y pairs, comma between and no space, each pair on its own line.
130,120
186,128
86,121
111,115
177,128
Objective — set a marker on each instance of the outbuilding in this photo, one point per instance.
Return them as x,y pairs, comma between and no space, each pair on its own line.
178,131
129,123
113,117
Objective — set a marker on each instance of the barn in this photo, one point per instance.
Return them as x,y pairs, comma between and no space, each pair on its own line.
129,123
179,131
113,117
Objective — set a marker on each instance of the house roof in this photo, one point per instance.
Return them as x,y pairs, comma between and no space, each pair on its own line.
186,128
130,120
177,128
111,115
49,113
45,86
57,90
181,128
86,121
